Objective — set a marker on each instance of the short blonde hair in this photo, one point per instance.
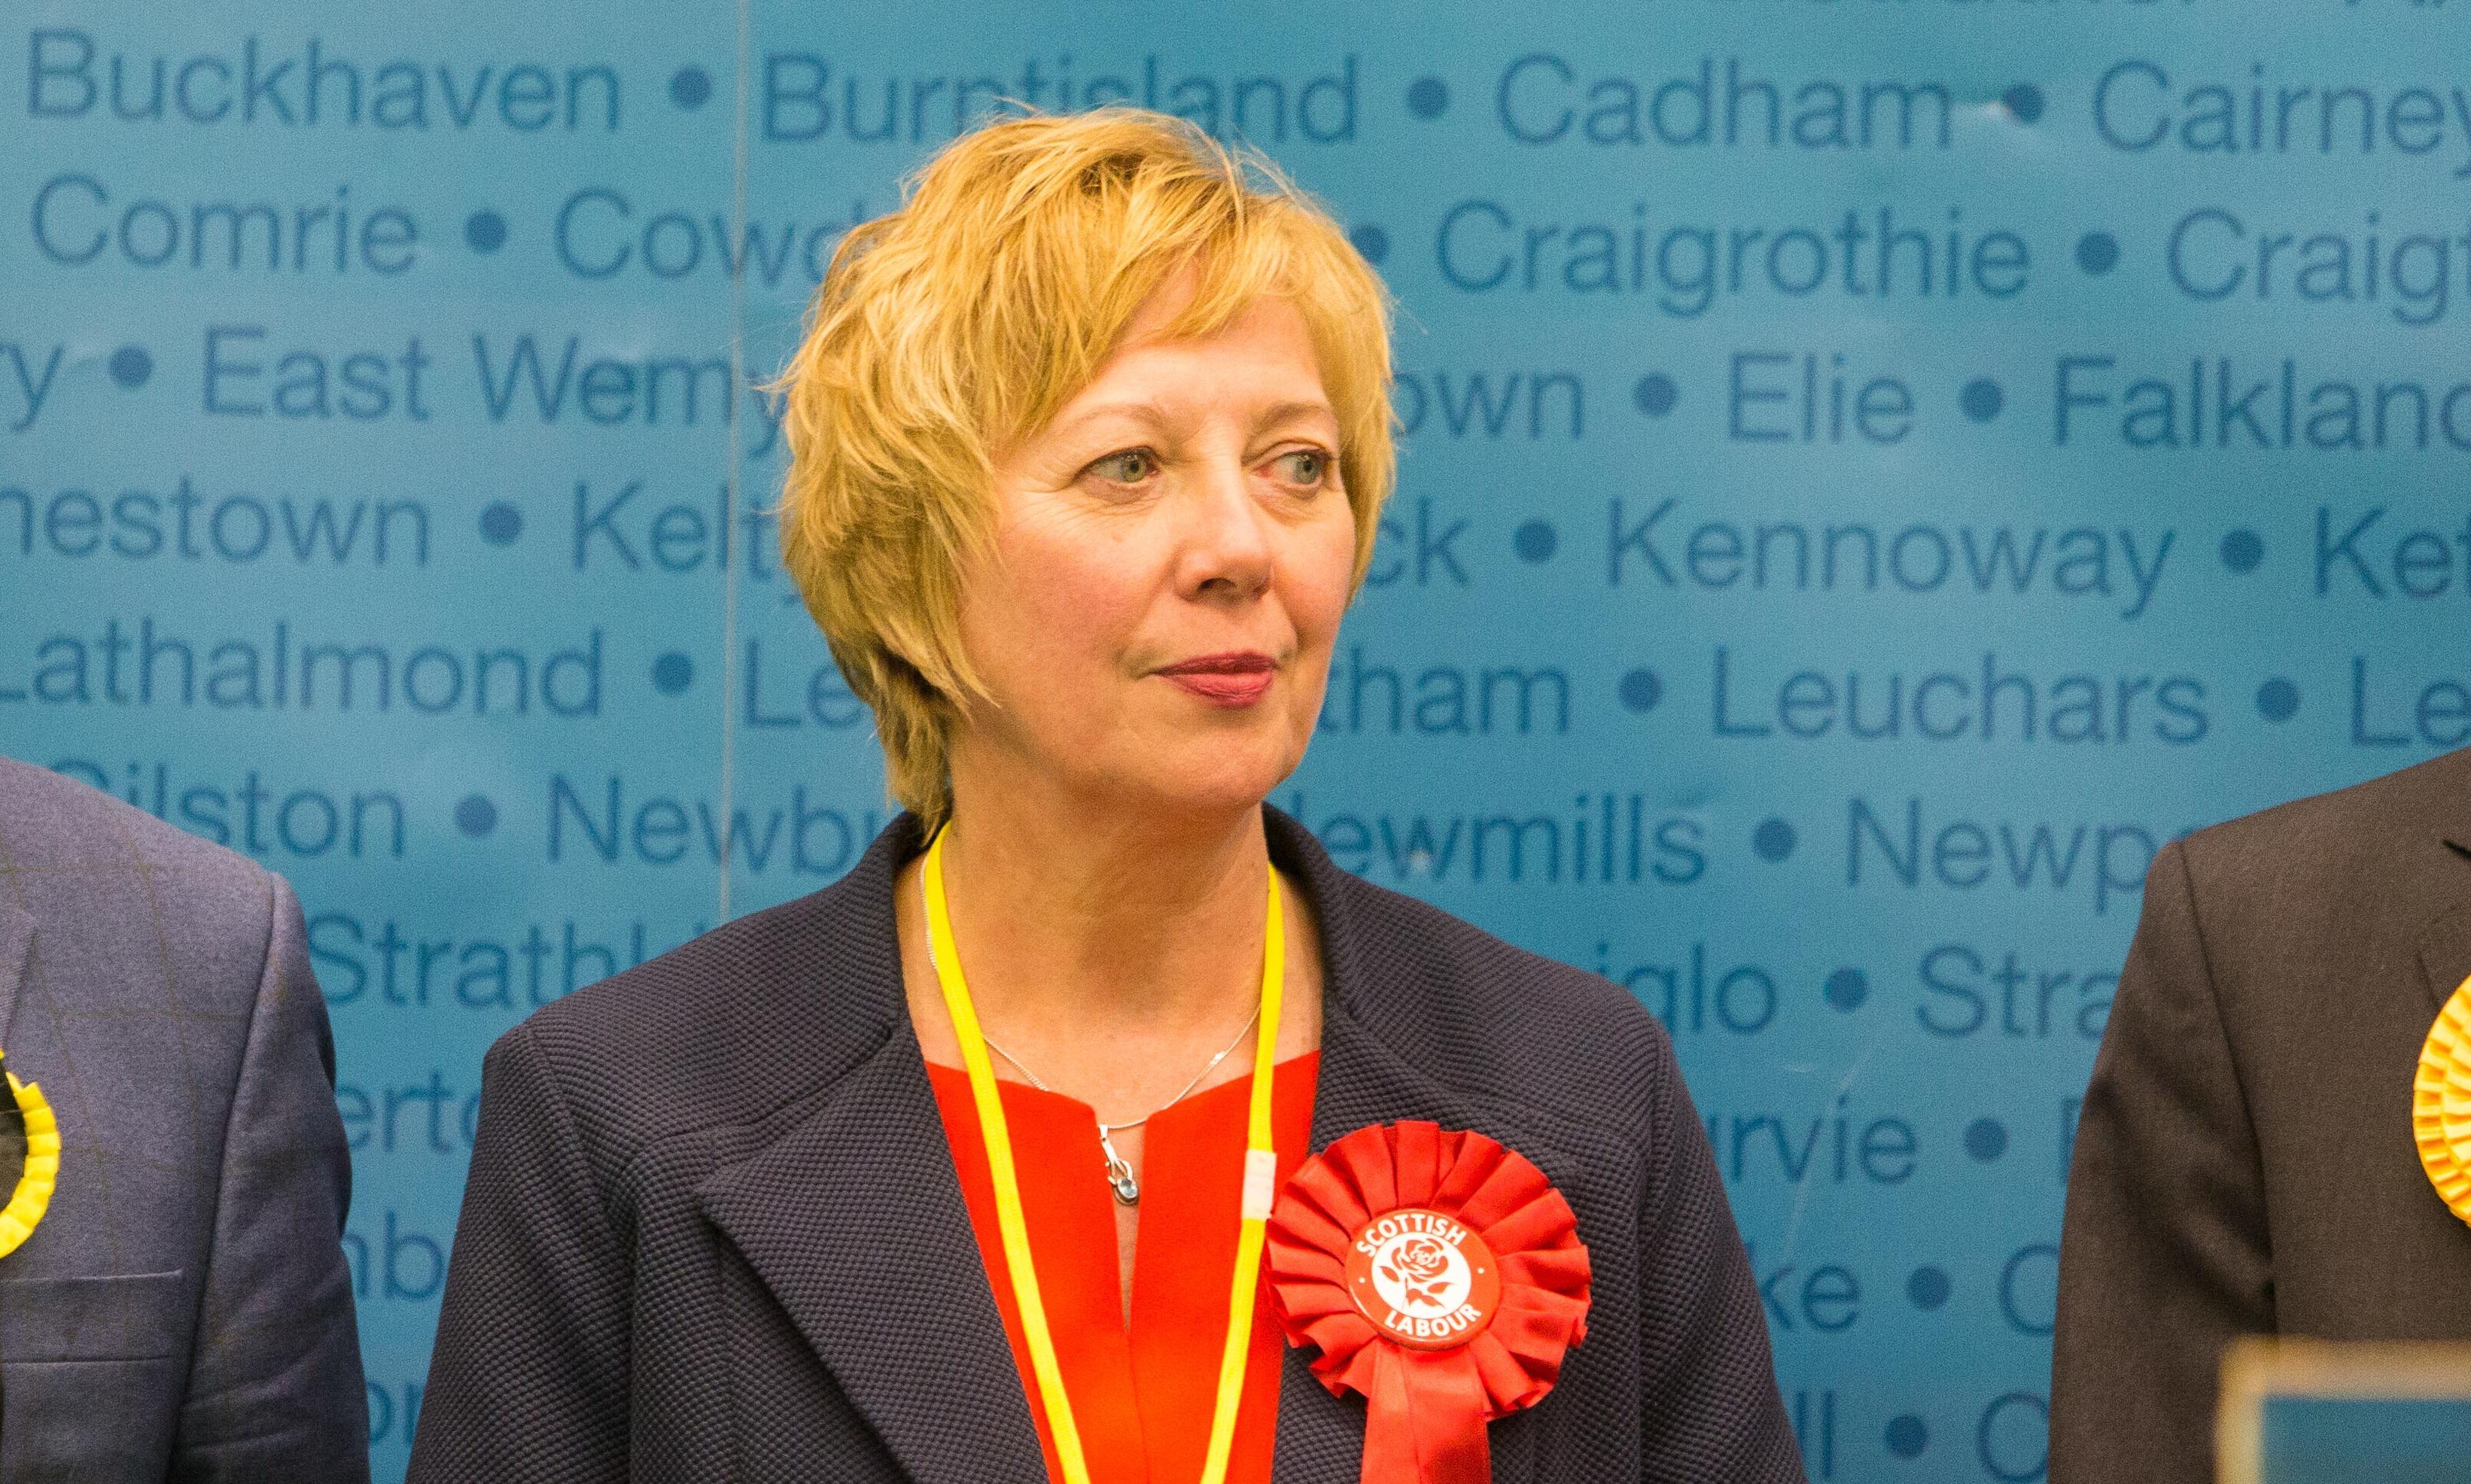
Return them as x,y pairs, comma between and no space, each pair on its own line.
948,331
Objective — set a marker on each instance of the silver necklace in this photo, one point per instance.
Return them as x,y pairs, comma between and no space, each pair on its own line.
1119,1171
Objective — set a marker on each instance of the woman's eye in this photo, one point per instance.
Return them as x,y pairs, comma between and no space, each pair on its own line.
1304,465
1124,468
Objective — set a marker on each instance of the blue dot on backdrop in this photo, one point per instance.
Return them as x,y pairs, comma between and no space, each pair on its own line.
1985,1139
1656,393
689,87
1871,475
1641,690
2242,551
1848,988
486,231
1981,399
1774,839
1907,1436
501,524
2097,252
1535,541
476,816
130,366
672,672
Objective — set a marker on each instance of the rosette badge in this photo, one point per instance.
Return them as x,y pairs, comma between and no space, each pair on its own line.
1441,1277
30,1159
2440,1102
1423,1279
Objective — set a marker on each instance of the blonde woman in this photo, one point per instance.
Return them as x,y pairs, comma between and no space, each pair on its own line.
998,1159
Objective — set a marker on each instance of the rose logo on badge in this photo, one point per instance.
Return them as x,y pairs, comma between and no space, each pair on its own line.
1423,1279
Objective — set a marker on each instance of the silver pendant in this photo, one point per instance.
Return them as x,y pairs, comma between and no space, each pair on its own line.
1120,1173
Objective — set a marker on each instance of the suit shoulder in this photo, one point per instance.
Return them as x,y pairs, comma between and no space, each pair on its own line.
112,886
2336,832
2365,863
724,1028
49,818
1500,1021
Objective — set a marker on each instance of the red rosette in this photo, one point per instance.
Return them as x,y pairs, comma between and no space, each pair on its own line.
1441,1277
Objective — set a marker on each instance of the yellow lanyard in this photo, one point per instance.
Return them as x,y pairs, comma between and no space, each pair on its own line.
1261,1180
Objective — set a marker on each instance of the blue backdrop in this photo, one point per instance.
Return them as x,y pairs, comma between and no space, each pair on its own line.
1872,472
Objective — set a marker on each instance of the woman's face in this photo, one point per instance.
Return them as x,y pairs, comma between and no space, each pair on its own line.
1171,558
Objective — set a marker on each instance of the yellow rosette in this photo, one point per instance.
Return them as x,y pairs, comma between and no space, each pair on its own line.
2440,1102
32,1193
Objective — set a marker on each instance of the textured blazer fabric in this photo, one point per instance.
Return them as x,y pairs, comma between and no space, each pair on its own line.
184,1310
713,1229
2243,1160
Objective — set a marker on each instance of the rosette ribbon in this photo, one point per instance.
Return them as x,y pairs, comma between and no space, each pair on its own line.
1441,1277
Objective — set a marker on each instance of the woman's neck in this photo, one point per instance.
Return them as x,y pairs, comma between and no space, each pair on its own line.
1079,917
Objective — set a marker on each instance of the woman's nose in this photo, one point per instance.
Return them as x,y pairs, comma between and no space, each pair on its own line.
1227,540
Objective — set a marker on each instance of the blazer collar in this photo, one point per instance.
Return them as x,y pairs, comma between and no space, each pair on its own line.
853,1219
866,1176
855,1222
2445,948
16,940
2445,943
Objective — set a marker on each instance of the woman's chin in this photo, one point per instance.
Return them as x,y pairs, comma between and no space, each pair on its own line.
1207,787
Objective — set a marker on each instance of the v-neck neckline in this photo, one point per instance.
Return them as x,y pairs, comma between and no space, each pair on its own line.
953,1082
1141,1376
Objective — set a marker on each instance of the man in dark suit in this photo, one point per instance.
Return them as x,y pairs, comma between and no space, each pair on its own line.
2243,1160
183,1310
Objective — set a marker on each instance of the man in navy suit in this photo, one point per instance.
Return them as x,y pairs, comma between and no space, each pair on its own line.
184,1310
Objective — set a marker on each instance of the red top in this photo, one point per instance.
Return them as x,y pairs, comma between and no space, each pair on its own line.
1142,1398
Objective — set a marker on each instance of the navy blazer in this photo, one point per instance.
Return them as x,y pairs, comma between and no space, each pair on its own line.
183,1311
713,1229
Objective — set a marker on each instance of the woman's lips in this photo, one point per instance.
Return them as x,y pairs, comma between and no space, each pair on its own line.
1224,679
1221,687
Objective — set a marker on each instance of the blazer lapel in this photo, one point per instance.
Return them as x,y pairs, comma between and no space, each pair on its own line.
16,938
2445,954
1362,1080
854,1218
2445,943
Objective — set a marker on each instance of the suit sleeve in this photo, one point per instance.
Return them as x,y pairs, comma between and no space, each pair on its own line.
275,1390
528,1379
1707,1376
2162,1252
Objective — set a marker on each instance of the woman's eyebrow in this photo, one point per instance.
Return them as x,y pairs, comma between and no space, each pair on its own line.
1283,411
1153,415
1144,411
